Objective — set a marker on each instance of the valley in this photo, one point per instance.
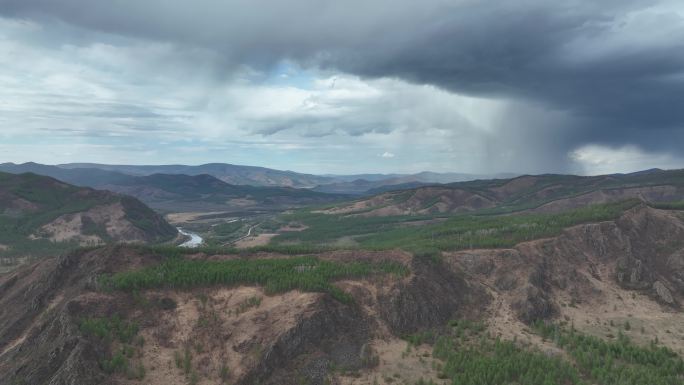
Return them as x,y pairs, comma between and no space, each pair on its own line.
559,279
310,192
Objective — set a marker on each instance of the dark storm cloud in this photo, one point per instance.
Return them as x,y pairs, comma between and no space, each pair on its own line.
562,56
608,72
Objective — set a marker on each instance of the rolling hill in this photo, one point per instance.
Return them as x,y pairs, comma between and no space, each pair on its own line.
371,184
180,192
365,187
540,193
174,192
92,174
229,173
42,216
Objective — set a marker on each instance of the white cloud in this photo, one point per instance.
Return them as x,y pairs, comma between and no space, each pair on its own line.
95,100
121,100
596,159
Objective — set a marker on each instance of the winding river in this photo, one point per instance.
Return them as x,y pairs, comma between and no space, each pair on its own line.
194,241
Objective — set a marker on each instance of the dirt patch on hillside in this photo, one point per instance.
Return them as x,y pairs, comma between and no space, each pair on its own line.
258,240
67,228
241,202
398,363
424,200
433,200
22,204
177,218
362,205
634,314
293,228
90,227
224,331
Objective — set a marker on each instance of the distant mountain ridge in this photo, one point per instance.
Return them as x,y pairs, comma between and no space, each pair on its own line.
423,176
92,174
229,173
180,192
173,192
370,184
538,193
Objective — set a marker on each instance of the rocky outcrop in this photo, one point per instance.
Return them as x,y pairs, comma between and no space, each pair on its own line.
534,305
39,338
432,296
643,250
630,273
655,261
41,306
333,336
663,293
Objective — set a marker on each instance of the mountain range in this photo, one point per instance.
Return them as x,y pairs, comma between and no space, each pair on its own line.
93,174
180,192
539,193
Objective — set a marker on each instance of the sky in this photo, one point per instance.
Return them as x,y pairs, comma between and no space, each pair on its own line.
344,87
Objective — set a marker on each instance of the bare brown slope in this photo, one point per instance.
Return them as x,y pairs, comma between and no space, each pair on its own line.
284,338
590,275
424,200
34,207
597,275
537,193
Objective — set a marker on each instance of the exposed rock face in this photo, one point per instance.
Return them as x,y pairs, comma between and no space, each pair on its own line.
655,259
433,295
39,338
535,305
334,336
631,274
290,338
643,250
642,247
663,293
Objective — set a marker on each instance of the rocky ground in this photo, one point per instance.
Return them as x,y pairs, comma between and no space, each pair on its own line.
596,276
